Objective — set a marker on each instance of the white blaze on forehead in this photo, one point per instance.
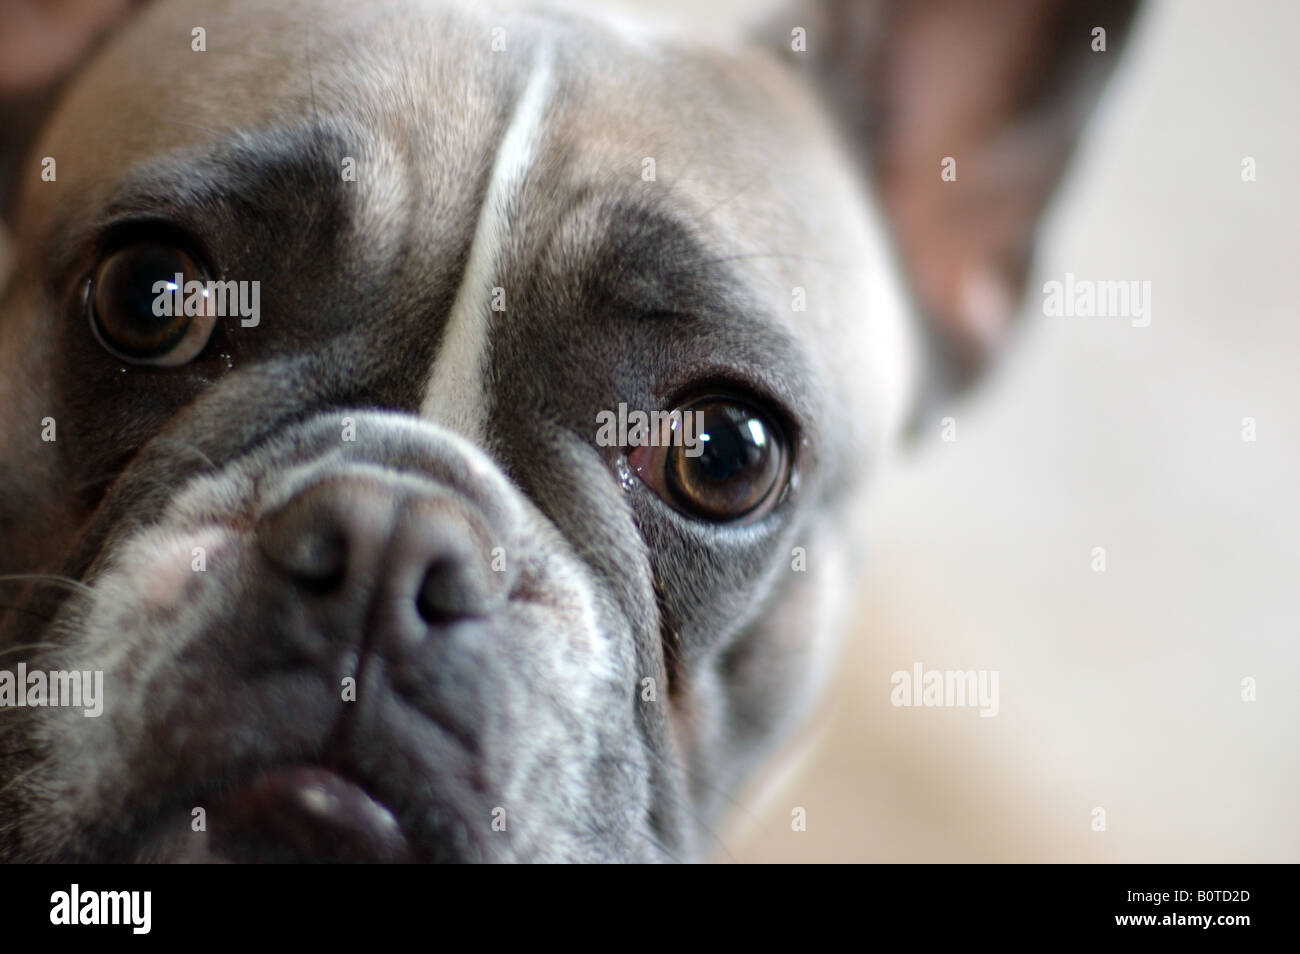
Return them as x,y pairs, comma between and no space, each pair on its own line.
454,396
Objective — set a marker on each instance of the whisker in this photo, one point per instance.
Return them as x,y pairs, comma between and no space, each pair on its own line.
25,609
311,82
22,775
199,126
15,649
725,200
660,846
781,256
99,481
705,827
52,578
186,445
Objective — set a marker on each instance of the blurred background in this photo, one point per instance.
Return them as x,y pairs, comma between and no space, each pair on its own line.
1119,689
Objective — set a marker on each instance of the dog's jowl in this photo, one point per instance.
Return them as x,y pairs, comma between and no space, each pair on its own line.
309,350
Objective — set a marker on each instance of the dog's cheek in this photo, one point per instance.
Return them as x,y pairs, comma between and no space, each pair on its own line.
81,765
764,683
569,727
35,522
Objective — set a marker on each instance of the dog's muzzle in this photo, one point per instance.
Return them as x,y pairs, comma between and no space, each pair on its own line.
358,641
369,570
371,575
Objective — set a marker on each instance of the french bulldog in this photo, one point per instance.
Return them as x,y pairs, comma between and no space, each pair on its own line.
317,315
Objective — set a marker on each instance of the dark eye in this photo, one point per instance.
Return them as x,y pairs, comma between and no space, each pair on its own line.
725,460
137,311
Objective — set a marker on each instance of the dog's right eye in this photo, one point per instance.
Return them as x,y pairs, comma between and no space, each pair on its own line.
139,310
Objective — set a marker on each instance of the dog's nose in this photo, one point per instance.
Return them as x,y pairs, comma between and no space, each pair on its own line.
410,557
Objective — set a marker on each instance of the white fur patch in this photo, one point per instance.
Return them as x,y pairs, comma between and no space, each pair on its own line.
454,396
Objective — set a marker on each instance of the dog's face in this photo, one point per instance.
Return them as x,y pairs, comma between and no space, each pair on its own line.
367,572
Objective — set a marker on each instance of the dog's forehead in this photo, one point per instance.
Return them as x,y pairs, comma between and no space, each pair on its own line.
442,96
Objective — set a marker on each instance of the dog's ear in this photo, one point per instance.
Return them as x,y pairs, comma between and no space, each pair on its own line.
964,113
41,45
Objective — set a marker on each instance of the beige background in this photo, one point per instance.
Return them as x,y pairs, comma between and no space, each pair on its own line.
1120,689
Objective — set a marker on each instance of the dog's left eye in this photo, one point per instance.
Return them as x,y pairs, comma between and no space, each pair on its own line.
137,305
721,459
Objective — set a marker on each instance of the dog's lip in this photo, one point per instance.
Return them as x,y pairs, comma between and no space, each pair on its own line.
305,813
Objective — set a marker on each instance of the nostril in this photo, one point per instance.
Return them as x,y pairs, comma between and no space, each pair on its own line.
452,590
409,559
317,560
313,553
331,531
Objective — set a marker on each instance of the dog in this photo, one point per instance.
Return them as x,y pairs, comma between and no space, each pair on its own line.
363,576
